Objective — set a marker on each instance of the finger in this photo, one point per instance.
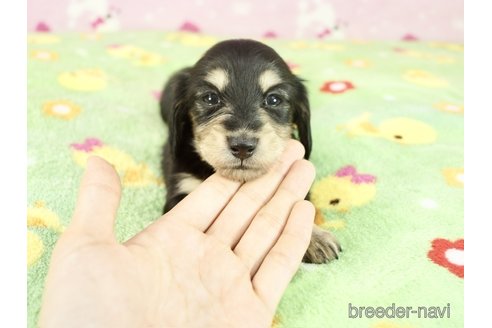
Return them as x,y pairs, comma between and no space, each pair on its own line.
267,225
203,205
236,217
98,200
284,259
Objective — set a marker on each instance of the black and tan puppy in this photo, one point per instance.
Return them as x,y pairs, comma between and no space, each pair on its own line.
232,113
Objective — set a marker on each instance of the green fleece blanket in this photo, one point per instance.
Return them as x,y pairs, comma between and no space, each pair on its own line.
387,122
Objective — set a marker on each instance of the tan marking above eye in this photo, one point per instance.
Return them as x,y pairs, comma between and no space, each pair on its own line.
268,79
218,77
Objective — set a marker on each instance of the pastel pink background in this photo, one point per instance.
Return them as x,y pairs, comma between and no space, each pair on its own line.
330,19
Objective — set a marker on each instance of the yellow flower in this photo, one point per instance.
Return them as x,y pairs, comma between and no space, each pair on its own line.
340,194
402,130
136,55
330,46
84,79
62,109
298,45
448,46
424,78
35,248
316,45
39,216
90,36
191,39
133,174
454,176
44,55
442,59
140,175
360,41
449,107
391,324
42,38
358,63
333,224
407,131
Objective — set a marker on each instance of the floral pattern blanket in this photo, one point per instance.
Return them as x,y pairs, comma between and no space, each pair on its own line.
387,122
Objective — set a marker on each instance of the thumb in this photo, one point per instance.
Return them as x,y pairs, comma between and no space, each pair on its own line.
98,201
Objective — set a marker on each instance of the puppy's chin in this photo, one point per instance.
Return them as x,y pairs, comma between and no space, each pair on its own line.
240,174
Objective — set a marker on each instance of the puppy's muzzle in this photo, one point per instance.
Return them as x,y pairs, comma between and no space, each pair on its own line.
242,147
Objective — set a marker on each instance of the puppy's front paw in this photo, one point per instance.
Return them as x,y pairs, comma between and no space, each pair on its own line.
323,247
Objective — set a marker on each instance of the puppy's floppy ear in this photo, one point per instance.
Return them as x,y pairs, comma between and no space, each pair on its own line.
174,110
302,117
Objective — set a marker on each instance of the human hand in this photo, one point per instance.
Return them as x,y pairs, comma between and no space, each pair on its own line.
222,257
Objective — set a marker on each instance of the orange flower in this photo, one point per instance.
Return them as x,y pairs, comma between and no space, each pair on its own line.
449,107
454,176
44,55
358,63
62,109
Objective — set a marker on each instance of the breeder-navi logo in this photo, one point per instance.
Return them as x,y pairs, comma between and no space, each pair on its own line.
393,311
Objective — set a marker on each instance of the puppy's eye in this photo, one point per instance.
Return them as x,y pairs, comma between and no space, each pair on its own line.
211,99
273,100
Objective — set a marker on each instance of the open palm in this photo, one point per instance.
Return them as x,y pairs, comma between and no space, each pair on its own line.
221,258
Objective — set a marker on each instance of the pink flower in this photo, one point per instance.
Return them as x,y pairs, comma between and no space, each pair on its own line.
189,27
357,178
42,27
336,87
88,145
95,24
325,32
270,35
409,37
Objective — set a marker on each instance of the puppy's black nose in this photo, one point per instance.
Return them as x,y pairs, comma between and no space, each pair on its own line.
242,147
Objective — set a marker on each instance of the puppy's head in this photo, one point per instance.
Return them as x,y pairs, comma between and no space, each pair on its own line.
243,104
